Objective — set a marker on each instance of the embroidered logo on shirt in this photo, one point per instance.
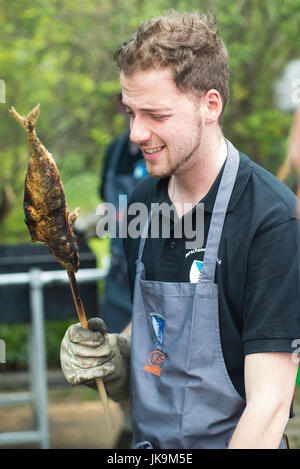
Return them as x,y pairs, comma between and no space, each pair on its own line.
155,360
193,251
195,272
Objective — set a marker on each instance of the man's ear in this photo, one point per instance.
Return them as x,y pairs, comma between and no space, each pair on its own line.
213,106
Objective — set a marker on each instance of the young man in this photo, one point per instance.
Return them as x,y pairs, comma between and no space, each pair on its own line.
213,329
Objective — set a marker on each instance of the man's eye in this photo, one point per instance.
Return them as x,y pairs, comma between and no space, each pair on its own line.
158,117
130,113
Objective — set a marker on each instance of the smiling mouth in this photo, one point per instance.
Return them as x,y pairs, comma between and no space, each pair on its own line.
153,150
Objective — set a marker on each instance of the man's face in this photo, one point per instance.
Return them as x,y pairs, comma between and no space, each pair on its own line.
165,122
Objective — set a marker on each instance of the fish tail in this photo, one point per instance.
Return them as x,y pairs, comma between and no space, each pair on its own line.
30,120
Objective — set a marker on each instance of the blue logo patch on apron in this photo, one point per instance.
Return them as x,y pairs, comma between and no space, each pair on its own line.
158,324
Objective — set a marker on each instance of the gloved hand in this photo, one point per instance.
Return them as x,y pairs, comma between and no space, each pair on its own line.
87,354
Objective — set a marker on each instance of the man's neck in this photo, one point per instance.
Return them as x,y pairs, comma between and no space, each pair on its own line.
190,186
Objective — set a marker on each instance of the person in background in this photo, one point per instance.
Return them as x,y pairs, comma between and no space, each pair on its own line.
287,99
294,150
124,167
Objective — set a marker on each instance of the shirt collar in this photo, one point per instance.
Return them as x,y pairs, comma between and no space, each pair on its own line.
243,175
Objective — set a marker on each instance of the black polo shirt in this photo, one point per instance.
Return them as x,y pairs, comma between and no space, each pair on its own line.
258,268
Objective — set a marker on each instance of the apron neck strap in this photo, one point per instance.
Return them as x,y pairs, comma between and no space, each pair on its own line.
219,213
144,237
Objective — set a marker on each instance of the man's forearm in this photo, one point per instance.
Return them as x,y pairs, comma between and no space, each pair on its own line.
260,427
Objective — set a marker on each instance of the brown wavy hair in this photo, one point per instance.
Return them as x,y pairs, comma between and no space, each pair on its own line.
189,43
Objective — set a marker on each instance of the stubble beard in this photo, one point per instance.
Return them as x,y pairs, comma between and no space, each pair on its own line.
181,166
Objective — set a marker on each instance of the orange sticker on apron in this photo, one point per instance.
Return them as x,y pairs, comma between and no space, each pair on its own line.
156,360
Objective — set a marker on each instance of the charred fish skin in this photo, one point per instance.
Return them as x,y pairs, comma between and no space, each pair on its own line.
45,208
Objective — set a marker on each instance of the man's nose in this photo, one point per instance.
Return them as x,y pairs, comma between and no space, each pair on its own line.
139,132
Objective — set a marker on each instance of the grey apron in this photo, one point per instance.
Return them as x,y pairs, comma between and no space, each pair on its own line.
181,394
116,304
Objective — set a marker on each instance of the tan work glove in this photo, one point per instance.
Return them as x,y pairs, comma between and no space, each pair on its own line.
87,354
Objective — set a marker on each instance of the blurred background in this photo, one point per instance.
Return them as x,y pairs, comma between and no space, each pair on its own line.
59,54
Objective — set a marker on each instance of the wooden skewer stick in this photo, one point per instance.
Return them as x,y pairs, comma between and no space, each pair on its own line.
84,325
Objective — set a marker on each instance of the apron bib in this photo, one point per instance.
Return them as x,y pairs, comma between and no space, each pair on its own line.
181,394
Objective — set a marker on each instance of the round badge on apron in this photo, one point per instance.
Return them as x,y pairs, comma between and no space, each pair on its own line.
181,393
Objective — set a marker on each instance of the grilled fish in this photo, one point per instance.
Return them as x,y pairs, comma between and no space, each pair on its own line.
45,207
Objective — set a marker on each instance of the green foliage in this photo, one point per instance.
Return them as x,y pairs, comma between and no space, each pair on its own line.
16,339
60,54
54,333
16,336
16,344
